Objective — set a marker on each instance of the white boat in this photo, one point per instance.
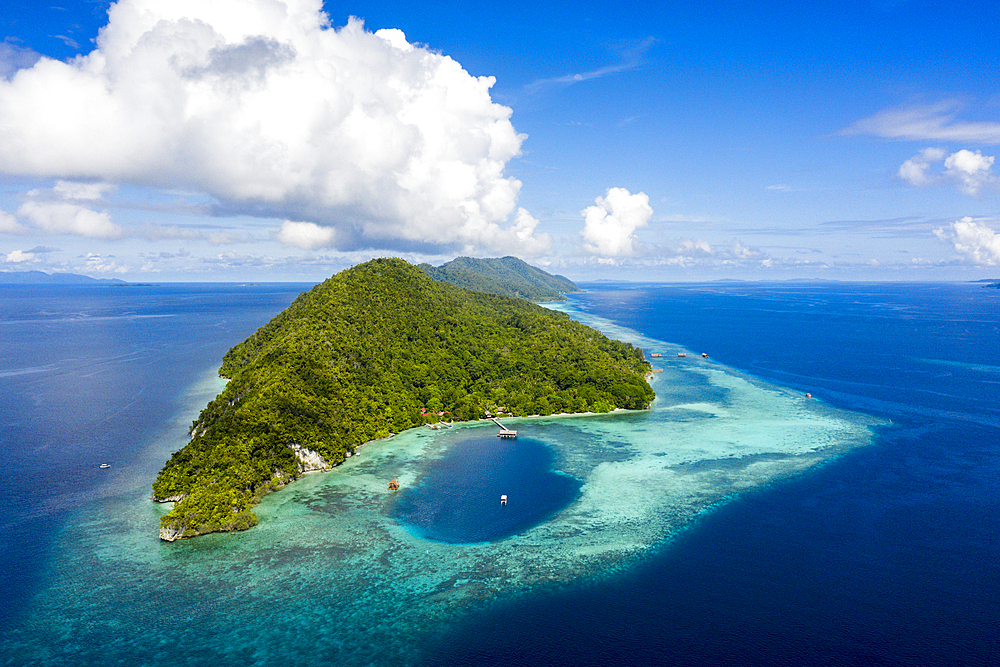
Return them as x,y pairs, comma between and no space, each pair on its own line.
105,465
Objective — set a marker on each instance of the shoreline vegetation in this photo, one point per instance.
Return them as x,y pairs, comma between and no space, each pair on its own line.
373,351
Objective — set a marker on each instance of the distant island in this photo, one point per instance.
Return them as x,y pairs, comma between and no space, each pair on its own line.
372,351
42,278
507,276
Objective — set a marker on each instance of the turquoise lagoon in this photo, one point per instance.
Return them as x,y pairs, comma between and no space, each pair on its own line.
342,571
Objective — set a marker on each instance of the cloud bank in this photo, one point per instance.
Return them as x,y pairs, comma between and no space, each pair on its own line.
610,224
357,139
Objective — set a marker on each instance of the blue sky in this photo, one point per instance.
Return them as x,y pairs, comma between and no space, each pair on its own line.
264,140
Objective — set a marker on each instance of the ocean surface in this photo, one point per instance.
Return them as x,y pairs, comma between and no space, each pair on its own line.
737,522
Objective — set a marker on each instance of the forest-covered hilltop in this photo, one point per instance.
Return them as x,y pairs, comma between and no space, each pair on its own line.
507,276
374,350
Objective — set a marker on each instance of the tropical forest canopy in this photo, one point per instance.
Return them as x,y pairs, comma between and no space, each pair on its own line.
372,351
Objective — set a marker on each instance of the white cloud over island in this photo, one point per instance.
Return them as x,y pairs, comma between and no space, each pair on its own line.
356,139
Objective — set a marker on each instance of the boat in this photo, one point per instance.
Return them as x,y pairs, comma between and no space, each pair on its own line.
393,485
503,500
105,465
682,354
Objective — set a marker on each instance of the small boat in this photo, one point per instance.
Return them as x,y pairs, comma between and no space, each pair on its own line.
503,500
682,354
393,485
705,354
105,465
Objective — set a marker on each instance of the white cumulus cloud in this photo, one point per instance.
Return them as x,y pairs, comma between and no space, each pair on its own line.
305,235
19,256
81,191
976,241
610,224
969,171
66,218
265,107
10,225
914,170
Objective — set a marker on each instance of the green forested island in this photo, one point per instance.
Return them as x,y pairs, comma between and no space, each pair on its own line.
372,351
507,276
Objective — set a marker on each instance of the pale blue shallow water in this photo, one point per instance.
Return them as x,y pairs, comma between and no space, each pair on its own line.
701,532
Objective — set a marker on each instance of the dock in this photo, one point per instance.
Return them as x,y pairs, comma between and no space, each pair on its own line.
504,431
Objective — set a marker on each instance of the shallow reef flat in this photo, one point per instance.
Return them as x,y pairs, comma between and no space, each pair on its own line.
330,574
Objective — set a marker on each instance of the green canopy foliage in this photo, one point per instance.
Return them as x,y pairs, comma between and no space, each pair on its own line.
374,350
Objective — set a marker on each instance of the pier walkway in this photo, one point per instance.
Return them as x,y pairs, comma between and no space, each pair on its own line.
504,431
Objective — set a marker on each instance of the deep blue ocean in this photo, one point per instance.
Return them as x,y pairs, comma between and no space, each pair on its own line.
91,375
888,554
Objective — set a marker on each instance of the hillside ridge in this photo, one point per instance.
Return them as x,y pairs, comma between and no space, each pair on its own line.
508,276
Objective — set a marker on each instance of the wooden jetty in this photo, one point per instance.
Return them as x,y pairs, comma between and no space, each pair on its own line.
504,431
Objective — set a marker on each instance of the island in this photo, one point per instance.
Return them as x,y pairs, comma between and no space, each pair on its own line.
372,351
42,278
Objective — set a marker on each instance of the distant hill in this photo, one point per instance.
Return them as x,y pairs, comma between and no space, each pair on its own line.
506,276
41,278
